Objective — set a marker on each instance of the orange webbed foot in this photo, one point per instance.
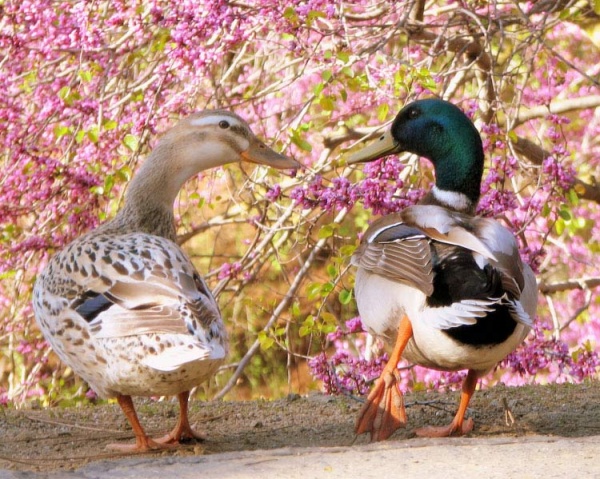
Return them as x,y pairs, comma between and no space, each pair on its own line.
180,434
384,412
452,429
459,425
183,430
142,444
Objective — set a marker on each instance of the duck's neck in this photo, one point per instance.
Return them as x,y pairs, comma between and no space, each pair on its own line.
458,176
451,200
149,199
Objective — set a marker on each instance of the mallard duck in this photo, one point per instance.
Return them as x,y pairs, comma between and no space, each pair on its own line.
447,288
123,305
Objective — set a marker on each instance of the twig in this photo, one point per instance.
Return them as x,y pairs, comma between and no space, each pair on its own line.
283,304
509,419
580,310
579,283
558,107
75,426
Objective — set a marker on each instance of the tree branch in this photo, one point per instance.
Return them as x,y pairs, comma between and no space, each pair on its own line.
536,154
283,304
417,10
580,283
558,107
221,220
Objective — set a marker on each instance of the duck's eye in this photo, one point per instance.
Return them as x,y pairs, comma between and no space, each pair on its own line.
224,124
413,113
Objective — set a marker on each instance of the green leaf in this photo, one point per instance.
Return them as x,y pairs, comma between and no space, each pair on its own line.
92,134
61,130
300,142
345,296
131,142
279,331
331,270
265,341
546,210
565,214
124,173
326,231
326,289
347,250
328,318
161,39
559,226
68,95
304,331
326,75
327,103
344,57
85,75
64,93
382,112
290,14
8,274
313,291
308,326
109,182
312,16
110,125
573,197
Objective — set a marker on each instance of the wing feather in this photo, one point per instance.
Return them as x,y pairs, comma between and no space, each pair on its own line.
138,284
118,322
399,247
403,259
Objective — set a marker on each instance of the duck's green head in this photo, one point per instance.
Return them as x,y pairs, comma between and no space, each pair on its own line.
441,132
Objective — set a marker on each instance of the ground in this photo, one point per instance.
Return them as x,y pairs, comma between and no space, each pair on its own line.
65,439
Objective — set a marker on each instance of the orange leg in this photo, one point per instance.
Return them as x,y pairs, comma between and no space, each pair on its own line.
459,425
384,411
142,442
182,430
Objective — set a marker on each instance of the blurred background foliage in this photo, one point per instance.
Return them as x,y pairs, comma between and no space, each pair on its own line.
86,88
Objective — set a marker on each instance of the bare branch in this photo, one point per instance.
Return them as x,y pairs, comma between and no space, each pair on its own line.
283,304
220,220
536,154
579,283
417,10
558,107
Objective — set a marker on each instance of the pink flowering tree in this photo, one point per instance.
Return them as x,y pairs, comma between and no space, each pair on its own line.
87,87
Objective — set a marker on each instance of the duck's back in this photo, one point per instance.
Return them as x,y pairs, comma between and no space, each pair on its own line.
459,278
117,308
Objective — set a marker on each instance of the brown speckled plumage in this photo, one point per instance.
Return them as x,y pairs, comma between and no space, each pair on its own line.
123,305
